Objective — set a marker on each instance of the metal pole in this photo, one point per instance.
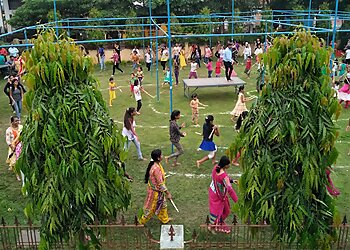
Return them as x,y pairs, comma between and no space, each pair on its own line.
157,77
143,35
261,65
150,33
272,22
55,16
210,31
170,57
26,38
233,13
334,29
308,16
68,29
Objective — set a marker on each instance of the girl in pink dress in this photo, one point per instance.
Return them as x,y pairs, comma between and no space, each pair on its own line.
219,205
344,93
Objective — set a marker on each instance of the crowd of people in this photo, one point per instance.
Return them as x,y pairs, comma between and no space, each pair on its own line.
225,58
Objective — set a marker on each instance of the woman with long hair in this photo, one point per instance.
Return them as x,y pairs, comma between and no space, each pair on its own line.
220,188
12,139
157,192
240,106
130,133
16,94
175,135
209,129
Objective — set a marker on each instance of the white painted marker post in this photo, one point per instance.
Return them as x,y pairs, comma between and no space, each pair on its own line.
172,237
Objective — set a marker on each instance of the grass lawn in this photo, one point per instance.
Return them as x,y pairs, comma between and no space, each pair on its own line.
187,183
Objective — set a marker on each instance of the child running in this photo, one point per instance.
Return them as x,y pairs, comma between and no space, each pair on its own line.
248,66
209,66
137,94
140,75
131,82
175,135
218,67
193,70
194,104
240,105
209,129
167,77
176,73
112,89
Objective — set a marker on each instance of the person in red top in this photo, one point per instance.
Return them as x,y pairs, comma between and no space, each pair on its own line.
220,188
248,66
4,52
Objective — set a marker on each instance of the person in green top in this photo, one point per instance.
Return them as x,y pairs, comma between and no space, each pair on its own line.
342,70
2,60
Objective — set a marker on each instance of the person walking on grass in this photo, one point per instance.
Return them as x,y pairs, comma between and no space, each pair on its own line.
240,106
140,75
135,58
116,62
248,66
167,77
101,54
130,133
209,66
194,104
193,70
176,73
137,93
157,191
175,135
148,59
16,94
220,188
112,87
12,139
164,58
209,130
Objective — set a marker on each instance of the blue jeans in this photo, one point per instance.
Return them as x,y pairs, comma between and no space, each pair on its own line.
18,108
137,145
102,62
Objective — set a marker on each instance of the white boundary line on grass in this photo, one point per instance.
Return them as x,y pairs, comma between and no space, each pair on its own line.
207,176
196,176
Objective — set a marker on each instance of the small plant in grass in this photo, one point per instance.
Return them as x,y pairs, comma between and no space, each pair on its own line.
287,142
72,151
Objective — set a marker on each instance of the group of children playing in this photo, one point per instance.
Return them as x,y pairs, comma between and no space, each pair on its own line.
219,65
135,88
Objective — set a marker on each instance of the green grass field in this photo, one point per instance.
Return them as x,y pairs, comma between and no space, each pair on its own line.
187,183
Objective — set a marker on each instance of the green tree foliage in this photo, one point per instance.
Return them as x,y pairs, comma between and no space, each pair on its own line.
34,11
72,150
287,142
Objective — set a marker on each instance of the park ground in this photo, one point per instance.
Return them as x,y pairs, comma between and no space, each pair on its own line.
187,183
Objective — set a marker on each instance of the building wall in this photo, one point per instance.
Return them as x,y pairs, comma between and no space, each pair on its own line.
9,7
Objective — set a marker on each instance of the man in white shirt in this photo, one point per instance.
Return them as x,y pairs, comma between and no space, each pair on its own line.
13,51
228,61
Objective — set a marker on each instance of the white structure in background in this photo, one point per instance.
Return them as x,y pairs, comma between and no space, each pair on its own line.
7,8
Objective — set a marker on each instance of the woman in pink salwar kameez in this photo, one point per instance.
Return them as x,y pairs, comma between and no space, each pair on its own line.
219,205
